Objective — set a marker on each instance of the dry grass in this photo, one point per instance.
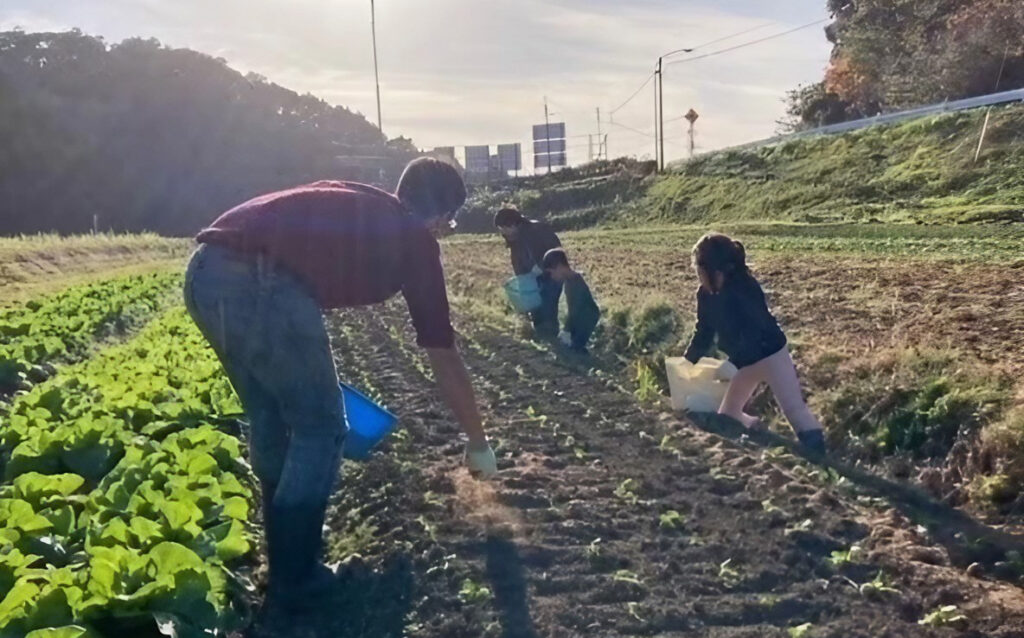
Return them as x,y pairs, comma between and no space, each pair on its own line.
33,265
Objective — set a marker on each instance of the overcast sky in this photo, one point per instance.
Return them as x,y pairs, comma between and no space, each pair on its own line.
456,72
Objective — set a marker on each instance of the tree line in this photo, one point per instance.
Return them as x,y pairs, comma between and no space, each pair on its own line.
895,54
138,136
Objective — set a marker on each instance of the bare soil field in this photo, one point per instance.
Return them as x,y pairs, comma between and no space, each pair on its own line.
611,519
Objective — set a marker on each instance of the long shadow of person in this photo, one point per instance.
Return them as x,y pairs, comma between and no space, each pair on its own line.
965,539
507,575
363,603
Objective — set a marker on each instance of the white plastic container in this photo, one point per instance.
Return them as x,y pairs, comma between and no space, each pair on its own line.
695,387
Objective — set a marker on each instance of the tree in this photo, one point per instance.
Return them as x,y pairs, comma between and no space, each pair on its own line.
895,54
152,138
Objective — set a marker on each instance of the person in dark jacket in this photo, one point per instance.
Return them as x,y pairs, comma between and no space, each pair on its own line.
256,287
528,240
583,313
732,306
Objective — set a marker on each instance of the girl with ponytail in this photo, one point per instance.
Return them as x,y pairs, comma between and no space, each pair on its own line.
732,306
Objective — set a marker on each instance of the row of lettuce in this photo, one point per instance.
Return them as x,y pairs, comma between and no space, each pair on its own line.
64,326
124,498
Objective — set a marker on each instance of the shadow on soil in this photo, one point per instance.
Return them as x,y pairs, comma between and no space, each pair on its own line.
507,575
966,539
363,603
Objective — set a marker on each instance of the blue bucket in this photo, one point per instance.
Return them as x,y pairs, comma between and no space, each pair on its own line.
368,423
523,292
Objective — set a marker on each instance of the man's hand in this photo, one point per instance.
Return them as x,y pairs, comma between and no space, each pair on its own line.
480,460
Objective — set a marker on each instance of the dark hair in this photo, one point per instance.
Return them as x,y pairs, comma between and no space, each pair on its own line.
508,216
430,187
716,252
553,259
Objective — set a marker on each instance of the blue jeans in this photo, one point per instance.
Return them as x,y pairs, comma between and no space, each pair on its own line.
269,335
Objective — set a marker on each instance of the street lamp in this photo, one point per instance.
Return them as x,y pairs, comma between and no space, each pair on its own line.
659,108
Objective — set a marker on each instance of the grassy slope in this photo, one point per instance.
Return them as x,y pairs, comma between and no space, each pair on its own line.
574,198
922,170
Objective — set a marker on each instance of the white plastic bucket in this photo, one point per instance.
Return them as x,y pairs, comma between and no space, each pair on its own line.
695,387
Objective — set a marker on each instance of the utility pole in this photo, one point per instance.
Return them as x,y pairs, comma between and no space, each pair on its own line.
611,118
661,116
376,73
657,160
599,136
547,133
659,110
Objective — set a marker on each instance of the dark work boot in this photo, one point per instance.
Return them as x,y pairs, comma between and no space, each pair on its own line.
813,441
294,538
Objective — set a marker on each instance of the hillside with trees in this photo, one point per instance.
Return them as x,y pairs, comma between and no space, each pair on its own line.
138,136
894,54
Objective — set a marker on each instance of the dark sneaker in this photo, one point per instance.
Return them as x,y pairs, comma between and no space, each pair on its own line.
813,441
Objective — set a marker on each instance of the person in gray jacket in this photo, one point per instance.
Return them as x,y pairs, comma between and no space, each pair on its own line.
528,240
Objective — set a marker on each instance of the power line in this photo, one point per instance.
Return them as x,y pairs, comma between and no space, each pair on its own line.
730,37
566,110
630,128
699,46
750,43
635,93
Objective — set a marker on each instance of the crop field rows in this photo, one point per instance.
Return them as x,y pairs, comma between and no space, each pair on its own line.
881,288
896,323
127,507
609,519
61,328
124,493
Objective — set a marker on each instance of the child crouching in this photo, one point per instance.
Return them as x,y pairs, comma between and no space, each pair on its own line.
731,305
583,311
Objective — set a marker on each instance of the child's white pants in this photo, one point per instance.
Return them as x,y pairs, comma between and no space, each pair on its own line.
779,372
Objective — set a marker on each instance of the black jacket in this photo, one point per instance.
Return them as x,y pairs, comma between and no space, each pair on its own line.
747,332
527,250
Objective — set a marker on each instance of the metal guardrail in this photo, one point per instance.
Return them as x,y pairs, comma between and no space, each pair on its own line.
1006,97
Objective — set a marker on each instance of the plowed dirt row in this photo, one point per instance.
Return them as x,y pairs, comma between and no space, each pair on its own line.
608,520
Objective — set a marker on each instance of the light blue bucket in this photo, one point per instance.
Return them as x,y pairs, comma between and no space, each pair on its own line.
368,423
523,293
